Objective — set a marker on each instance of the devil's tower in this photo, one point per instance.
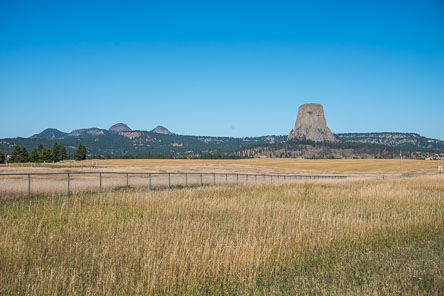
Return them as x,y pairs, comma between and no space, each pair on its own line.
311,125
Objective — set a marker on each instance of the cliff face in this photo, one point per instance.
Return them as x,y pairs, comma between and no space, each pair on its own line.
311,125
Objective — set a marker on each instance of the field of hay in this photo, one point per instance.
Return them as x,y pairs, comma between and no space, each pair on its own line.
254,166
361,237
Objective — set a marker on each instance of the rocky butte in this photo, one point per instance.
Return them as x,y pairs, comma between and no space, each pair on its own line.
311,125
119,127
161,130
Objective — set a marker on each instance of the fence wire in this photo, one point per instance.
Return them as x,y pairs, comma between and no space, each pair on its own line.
28,184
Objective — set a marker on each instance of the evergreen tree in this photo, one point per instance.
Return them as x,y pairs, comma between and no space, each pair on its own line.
23,155
62,153
34,157
2,157
14,154
58,152
45,155
80,153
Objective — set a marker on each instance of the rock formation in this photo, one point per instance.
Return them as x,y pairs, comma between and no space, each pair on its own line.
311,125
161,130
86,132
119,127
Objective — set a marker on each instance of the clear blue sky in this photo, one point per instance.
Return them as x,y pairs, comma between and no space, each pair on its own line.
221,68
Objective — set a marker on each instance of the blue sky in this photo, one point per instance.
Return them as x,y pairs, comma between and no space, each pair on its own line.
221,68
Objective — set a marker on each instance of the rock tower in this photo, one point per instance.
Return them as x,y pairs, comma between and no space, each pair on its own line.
311,125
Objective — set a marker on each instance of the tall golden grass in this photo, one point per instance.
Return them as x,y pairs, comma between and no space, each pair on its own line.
16,186
360,237
261,166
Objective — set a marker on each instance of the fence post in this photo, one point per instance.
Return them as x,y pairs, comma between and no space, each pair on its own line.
100,182
149,181
201,179
169,180
237,179
214,178
186,179
271,179
246,179
29,185
68,184
226,178
126,179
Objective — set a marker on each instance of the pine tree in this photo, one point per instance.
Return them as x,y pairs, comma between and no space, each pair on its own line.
34,157
45,155
2,157
80,153
58,152
23,155
62,153
13,157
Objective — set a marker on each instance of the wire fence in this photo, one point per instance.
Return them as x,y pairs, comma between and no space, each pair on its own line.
28,184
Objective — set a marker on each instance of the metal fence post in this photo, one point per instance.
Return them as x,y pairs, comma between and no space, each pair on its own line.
214,178
246,179
68,184
201,179
126,179
186,179
29,185
237,179
149,181
169,180
271,179
100,182
226,178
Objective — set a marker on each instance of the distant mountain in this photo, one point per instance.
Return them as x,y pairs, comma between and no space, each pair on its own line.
410,141
50,134
87,132
119,127
120,140
311,149
161,130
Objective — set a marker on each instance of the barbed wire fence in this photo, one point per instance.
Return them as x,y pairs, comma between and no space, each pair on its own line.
101,181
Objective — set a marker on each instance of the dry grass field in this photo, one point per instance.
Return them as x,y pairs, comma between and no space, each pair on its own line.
260,166
17,186
360,237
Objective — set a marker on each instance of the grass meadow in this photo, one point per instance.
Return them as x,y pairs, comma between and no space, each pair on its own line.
365,237
255,166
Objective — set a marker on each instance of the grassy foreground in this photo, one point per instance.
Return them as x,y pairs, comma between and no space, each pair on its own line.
362,237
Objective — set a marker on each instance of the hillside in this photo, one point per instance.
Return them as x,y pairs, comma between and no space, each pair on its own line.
325,150
107,143
410,141
50,134
119,140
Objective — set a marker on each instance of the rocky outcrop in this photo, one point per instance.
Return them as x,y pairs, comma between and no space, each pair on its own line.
311,125
161,130
86,132
120,127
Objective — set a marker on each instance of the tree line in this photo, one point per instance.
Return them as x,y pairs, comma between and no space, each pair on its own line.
42,154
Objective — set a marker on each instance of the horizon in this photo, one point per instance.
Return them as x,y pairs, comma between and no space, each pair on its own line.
174,133
221,69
